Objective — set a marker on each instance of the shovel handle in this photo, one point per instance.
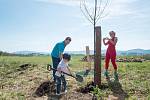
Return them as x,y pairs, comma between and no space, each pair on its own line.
49,68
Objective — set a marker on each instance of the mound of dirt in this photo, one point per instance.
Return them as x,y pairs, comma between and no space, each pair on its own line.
130,60
84,59
87,89
25,66
90,87
45,88
48,89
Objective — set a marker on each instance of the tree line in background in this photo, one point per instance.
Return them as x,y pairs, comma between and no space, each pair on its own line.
2,53
13,54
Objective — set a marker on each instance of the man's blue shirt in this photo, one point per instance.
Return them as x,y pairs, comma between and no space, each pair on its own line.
58,49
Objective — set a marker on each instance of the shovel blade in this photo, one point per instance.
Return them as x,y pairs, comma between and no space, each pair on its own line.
79,78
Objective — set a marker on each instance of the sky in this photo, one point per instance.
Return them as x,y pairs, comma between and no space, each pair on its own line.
37,25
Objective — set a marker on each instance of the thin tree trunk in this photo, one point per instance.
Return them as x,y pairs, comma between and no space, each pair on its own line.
97,61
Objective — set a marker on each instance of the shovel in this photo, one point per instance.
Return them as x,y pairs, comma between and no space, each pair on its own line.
78,77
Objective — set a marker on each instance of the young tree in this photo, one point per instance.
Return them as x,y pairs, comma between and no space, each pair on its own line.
94,13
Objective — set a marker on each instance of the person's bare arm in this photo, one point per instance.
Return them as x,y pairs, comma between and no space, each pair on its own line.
114,42
105,43
61,55
69,70
59,69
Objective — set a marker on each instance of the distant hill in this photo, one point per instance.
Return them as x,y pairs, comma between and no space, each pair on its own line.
138,52
82,52
128,52
24,52
30,53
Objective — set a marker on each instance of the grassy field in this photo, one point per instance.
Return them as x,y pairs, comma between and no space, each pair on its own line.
19,83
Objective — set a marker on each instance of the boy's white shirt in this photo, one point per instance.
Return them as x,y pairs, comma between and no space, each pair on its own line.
63,67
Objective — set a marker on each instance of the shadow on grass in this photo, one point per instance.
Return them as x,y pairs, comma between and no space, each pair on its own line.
117,90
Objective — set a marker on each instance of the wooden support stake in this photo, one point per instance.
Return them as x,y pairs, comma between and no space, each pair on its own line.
97,58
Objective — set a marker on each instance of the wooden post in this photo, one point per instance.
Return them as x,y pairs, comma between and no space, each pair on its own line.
87,50
97,57
88,64
88,53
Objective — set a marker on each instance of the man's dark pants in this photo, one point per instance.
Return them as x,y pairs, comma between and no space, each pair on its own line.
55,64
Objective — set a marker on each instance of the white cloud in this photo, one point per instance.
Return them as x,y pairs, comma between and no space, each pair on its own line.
120,7
115,7
72,3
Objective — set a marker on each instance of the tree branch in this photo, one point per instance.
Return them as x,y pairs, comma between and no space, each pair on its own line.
86,16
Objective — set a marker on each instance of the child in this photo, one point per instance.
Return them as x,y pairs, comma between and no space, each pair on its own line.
60,77
111,54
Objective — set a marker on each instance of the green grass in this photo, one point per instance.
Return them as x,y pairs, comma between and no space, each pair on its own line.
30,59
19,84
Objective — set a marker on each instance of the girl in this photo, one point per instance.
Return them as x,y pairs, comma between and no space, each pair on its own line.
111,54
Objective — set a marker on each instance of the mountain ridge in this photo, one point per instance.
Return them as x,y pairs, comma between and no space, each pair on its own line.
119,52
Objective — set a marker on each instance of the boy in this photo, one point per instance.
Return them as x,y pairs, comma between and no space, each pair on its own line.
60,77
